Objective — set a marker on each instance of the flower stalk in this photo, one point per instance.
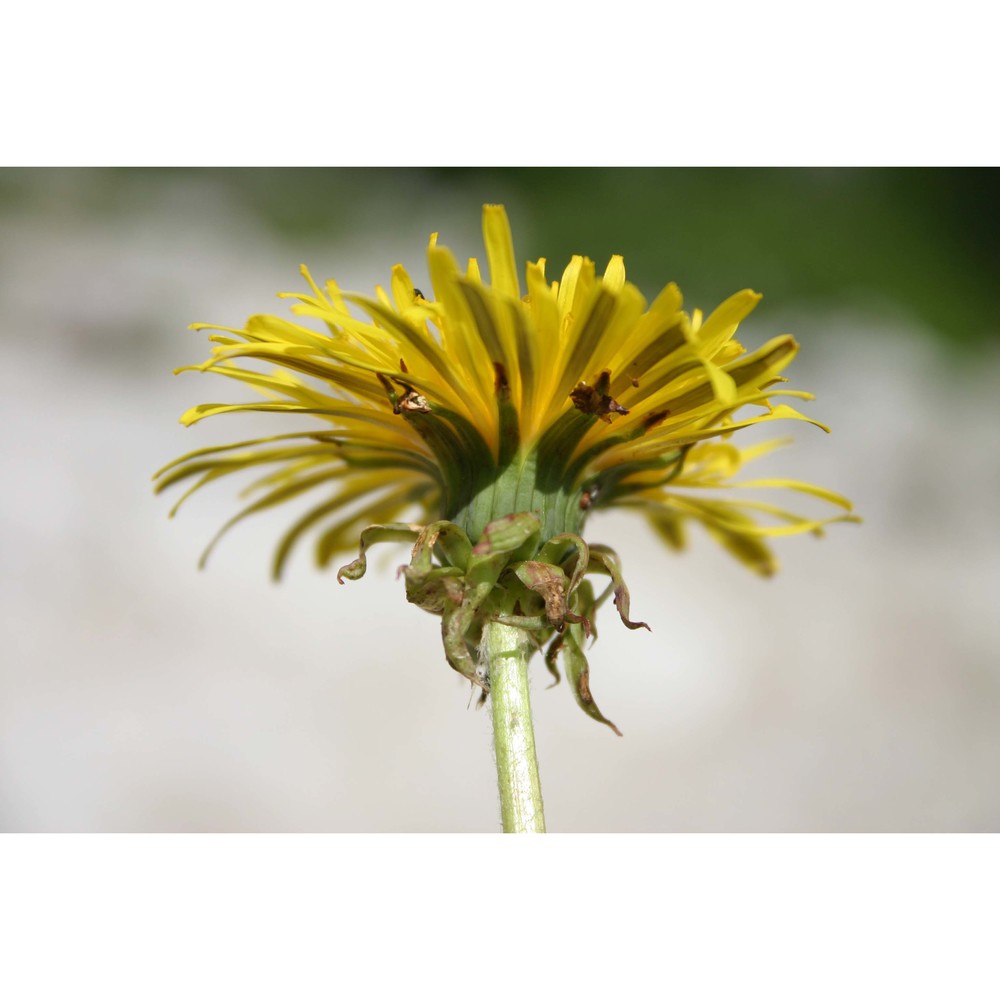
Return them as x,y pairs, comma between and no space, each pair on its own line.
505,651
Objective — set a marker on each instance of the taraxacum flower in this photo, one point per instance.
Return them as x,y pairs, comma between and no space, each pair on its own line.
487,421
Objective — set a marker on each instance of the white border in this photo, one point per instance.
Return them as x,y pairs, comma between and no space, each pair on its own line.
687,915
498,84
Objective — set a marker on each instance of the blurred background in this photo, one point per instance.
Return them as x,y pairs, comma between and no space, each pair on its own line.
859,690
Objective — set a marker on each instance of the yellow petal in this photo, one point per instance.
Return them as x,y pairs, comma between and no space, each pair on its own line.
724,320
614,273
500,251
403,292
799,487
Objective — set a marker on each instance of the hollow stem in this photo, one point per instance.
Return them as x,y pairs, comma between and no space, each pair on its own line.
506,651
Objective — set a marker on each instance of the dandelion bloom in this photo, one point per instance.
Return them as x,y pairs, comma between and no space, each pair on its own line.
487,420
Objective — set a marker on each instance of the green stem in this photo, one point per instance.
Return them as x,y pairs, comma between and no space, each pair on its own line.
505,651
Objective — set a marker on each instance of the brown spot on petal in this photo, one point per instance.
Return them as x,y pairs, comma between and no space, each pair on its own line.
595,399
589,496
413,402
410,401
500,384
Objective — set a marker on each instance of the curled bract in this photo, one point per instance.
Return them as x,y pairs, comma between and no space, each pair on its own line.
509,576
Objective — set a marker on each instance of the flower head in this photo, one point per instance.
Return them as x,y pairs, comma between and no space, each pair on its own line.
488,420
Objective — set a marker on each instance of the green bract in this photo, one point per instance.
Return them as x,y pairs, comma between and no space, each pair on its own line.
513,576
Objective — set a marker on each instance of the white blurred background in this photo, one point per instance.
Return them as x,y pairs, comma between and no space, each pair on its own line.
859,690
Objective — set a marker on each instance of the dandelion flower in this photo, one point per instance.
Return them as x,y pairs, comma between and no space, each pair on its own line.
486,422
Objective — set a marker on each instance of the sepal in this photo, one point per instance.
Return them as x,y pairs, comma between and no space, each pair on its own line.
506,577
